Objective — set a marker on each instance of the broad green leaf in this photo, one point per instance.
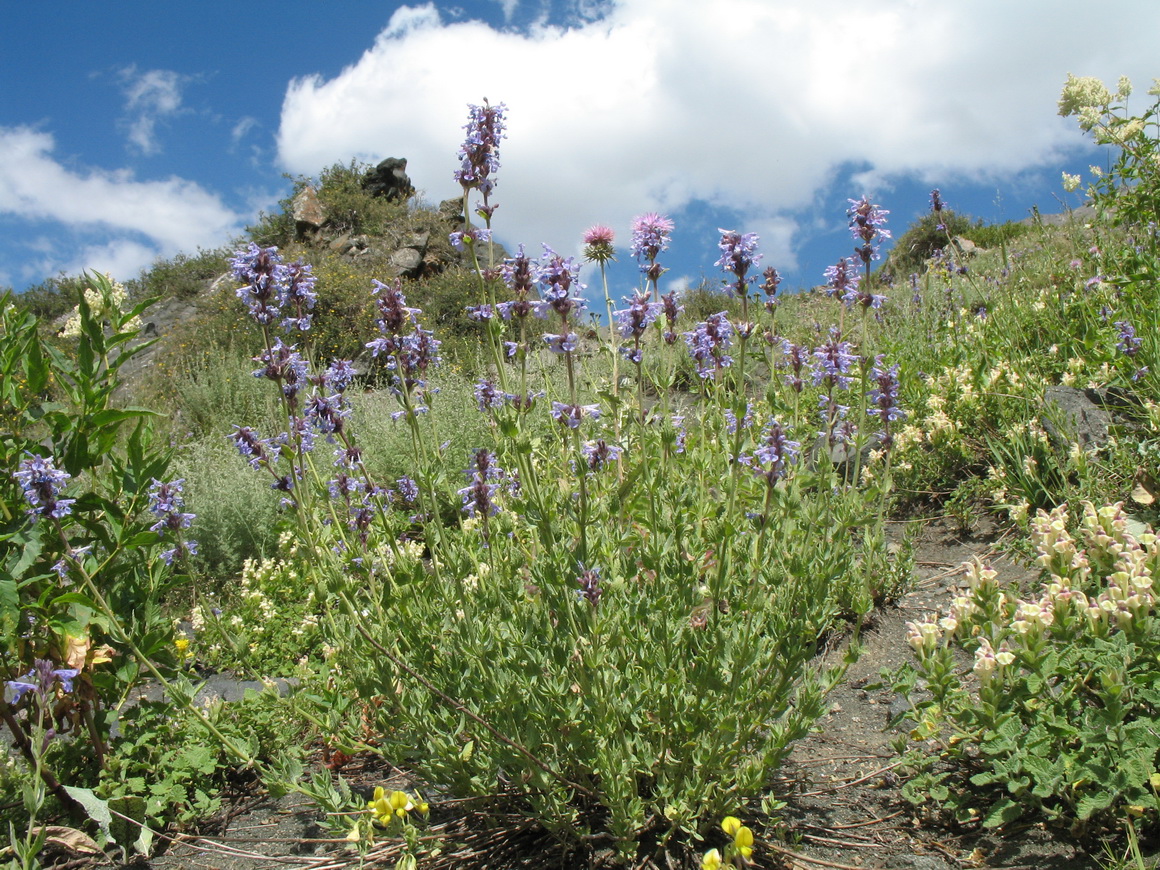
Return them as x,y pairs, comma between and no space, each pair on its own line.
1002,813
97,808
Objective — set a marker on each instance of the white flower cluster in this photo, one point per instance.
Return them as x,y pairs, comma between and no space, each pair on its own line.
103,305
1116,563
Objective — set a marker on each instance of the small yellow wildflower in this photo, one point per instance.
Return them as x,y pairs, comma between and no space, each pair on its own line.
742,836
712,860
396,804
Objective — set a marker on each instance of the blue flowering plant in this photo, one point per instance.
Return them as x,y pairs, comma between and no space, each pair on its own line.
606,611
92,535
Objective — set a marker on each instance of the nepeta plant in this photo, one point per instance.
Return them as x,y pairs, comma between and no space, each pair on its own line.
606,611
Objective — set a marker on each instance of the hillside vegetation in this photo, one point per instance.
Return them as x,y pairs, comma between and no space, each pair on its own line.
579,577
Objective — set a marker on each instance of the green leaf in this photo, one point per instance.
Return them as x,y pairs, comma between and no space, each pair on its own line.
111,416
1093,803
97,809
35,369
130,829
1002,813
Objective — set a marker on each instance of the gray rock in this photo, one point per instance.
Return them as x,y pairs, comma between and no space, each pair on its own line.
843,456
451,210
966,247
406,263
1070,416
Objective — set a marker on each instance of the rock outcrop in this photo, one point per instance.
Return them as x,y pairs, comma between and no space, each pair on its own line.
307,211
389,179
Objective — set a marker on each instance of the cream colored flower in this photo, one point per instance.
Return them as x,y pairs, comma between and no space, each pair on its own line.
1080,92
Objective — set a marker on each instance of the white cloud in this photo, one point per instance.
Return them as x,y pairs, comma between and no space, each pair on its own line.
509,7
242,129
133,221
122,258
150,97
750,105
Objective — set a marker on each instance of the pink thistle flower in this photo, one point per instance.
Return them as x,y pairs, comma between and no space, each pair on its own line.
598,243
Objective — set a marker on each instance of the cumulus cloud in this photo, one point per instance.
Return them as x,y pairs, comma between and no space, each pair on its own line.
150,97
755,106
133,221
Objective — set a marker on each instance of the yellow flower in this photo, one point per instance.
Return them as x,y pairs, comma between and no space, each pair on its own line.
742,836
743,841
711,861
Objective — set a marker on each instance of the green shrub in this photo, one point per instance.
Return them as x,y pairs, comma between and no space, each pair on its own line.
51,298
181,277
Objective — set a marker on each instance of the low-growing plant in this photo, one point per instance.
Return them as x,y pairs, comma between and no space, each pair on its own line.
1054,716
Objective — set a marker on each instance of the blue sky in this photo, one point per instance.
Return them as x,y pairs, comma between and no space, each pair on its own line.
135,130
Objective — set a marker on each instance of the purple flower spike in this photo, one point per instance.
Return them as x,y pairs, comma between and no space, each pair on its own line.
463,241
599,453
479,496
562,344
559,286
772,459
650,236
867,225
842,278
884,399
488,397
771,283
40,680
673,311
479,156
708,343
1129,343
266,278
166,502
738,253
590,590
884,396
42,483
571,415
833,362
298,295
936,206
632,322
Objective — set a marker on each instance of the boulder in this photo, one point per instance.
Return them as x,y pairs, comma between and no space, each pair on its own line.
844,456
406,263
389,179
966,247
307,211
1070,416
451,211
